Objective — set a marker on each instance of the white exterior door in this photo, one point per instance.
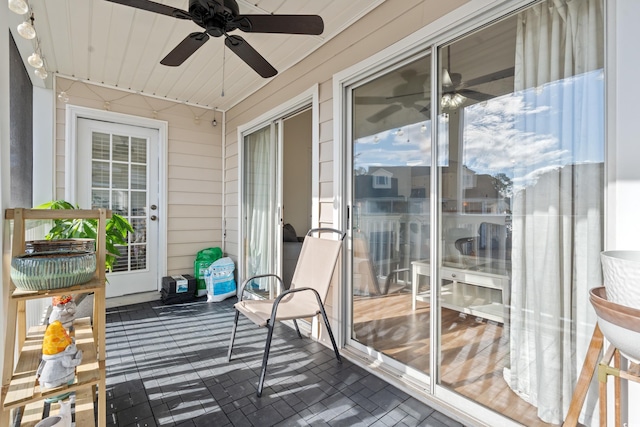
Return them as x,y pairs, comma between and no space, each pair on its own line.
118,169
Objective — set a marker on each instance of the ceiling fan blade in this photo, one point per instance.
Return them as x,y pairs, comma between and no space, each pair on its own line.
185,49
283,24
371,100
474,94
384,113
251,56
422,110
491,77
155,7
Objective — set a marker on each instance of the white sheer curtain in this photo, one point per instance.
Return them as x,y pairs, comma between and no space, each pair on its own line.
259,200
558,201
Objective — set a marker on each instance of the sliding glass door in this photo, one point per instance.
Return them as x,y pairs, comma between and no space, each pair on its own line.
261,208
471,266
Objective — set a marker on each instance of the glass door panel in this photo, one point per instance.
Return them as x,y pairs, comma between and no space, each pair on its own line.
390,222
521,208
261,207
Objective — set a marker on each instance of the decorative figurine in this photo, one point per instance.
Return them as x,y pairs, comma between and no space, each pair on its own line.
64,310
63,419
59,357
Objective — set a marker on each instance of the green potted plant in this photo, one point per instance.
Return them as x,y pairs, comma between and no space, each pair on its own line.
116,230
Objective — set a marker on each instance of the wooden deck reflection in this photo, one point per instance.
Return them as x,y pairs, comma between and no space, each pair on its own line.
474,351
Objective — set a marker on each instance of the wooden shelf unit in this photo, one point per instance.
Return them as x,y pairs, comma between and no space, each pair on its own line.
20,388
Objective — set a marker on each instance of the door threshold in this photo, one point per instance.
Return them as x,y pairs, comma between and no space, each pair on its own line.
132,299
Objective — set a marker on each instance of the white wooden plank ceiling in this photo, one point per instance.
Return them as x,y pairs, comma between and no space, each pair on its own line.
120,46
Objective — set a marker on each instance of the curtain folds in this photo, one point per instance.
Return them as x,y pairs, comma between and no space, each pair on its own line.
558,201
259,191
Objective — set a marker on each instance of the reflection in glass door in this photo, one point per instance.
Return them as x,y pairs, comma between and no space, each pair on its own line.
390,221
521,210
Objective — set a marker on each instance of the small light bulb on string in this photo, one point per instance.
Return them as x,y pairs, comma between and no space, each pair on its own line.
107,105
196,120
18,6
63,97
35,60
42,73
154,113
26,30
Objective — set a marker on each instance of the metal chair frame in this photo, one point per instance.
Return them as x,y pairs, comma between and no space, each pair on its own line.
271,322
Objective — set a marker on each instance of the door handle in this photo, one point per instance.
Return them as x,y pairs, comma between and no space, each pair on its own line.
153,217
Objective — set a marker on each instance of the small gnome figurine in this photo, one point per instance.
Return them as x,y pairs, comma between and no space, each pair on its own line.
59,357
64,310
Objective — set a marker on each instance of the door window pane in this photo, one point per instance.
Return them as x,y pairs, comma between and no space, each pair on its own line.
101,146
390,234
120,148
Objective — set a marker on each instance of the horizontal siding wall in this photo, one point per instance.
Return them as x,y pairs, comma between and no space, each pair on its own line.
382,27
194,165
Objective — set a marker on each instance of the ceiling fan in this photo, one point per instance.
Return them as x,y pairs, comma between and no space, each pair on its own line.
452,84
414,90
220,17
404,95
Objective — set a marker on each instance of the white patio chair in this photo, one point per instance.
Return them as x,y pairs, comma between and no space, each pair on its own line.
305,297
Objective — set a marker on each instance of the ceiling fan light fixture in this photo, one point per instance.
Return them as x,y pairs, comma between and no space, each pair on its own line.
26,30
35,60
445,101
458,99
18,6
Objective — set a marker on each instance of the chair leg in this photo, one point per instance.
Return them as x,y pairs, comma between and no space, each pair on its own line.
265,358
333,341
233,335
295,323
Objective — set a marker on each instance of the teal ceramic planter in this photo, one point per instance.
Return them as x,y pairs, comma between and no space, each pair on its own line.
52,270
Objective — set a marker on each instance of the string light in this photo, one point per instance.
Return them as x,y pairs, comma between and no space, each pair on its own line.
42,73
63,97
35,60
28,30
18,6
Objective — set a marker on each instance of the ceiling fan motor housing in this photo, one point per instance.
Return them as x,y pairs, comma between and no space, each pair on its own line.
214,15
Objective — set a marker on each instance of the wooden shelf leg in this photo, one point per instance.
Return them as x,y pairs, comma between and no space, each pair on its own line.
602,378
587,372
617,387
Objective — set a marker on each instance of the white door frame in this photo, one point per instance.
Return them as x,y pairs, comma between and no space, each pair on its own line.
308,97
73,113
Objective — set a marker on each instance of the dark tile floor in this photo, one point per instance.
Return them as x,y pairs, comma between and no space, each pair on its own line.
166,366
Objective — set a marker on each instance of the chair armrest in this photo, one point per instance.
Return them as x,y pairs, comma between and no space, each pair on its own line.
259,276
